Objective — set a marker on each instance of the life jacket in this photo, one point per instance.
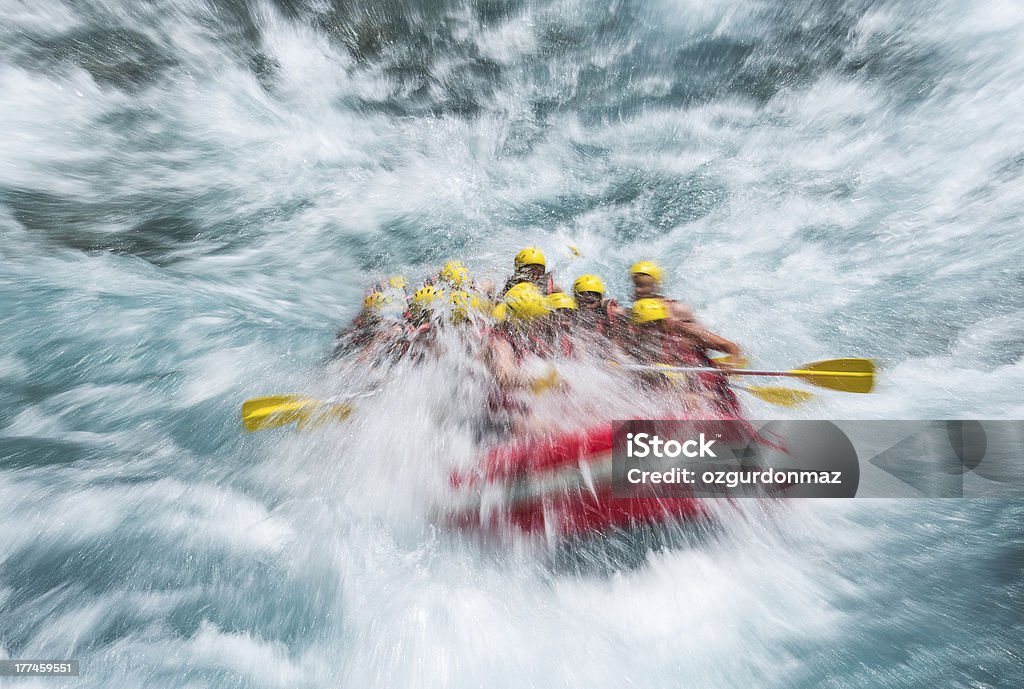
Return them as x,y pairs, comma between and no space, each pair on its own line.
411,333
600,319
680,351
695,355
605,319
524,344
565,345
600,322
357,335
723,394
501,401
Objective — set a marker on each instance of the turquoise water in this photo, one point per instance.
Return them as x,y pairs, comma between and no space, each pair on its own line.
194,195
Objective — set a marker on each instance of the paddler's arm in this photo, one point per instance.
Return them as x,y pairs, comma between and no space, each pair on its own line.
708,339
684,321
501,360
721,344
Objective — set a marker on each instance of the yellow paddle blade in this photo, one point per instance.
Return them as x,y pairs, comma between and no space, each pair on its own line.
740,362
574,250
675,376
258,403
320,415
783,397
545,382
273,411
847,375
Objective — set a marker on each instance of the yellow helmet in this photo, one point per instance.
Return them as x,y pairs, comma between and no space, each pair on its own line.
588,283
374,300
530,256
455,273
500,313
522,289
462,303
649,310
525,302
561,300
397,282
426,295
646,268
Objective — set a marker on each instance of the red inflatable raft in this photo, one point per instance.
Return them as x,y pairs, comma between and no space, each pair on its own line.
561,486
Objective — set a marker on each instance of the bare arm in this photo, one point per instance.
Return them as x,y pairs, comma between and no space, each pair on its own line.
717,342
684,321
708,339
501,361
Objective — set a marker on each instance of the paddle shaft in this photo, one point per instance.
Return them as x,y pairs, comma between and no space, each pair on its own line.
345,399
744,372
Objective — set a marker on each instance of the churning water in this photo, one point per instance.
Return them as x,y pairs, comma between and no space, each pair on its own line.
194,194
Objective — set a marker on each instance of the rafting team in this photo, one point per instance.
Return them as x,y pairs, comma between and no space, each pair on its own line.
530,320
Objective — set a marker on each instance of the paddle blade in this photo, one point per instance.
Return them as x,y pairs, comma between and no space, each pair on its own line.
846,375
740,362
273,411
545,382
783,397
319,415
677,378
263,413
257,404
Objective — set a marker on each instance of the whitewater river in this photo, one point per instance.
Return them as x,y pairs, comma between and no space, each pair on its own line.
194,194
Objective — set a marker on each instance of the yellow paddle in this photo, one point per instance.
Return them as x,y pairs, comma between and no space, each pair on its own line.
262,413
783,397
845,375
